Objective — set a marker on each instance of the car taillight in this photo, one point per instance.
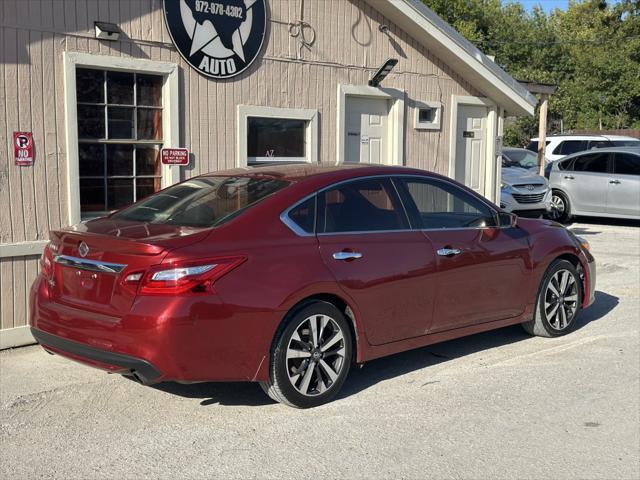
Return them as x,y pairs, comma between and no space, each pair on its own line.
173,279
46,261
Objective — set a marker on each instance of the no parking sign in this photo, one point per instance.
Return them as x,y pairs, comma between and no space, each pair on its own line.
23,148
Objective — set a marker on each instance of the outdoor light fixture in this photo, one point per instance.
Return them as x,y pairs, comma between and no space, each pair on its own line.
382,72
107,31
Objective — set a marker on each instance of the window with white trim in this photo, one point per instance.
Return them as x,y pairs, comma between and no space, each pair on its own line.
428,116
119,138
267,134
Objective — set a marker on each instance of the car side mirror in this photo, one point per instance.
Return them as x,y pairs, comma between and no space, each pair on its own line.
507,220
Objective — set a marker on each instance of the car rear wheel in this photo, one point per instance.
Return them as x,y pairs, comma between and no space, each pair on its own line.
311,357
560,209
559,301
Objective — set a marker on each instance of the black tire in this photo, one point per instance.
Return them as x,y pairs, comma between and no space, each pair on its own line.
296,337
550,322
561,207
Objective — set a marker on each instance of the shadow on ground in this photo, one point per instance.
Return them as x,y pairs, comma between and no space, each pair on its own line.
250,394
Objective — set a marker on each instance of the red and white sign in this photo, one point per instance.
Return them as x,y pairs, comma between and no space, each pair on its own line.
23,148
175,156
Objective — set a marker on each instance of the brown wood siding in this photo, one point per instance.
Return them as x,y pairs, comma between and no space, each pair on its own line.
348,48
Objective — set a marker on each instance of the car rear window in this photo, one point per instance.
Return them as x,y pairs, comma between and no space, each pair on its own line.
202,202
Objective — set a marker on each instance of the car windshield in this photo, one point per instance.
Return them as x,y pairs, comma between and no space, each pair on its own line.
519,158
202,202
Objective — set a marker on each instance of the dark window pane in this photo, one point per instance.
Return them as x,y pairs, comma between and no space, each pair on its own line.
119,192
304,215
120,122
149,90
120,88
146,186
149,124
599,144
442,205
90,121
148,161
426,114
594,162
565,164
91,159
203,202
361,205
119,160
92,195
570,146
627,164
90,85
275,137
533,145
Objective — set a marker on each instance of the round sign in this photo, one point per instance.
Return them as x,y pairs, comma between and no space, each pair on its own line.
219,38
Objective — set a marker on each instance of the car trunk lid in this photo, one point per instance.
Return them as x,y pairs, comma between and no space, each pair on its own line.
91,261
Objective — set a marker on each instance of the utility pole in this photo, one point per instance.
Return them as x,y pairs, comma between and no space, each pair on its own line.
542,131
545,90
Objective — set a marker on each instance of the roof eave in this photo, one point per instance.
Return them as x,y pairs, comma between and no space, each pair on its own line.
461,55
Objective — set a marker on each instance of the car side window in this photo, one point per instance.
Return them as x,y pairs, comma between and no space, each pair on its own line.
565,164
626,164
433,204
592,162
366,205
570,146
599,144
304,215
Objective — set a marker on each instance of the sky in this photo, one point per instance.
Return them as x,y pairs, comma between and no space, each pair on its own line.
548,5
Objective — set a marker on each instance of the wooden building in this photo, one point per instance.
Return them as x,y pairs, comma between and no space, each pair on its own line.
237,82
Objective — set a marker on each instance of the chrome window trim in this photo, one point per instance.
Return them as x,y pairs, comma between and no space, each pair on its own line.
89,265
284,216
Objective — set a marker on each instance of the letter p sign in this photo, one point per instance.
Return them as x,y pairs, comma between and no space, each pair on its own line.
23,148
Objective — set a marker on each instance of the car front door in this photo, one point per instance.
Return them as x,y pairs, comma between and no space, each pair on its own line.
482,269
623,195
381,264
587,182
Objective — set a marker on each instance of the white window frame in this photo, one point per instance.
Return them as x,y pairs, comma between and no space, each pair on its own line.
436,123
395,119
253,111
170,123
491,126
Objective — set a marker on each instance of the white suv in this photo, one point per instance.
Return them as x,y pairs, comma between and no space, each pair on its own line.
559,146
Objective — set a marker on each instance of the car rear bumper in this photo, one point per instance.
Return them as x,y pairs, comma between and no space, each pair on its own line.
181,338
140,369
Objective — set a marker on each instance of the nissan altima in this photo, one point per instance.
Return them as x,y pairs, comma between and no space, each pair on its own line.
290,275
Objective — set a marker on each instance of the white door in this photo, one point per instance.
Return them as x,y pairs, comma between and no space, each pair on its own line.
367,135
471,146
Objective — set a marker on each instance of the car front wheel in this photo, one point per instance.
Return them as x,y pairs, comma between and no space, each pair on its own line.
559,301
311,357
560,209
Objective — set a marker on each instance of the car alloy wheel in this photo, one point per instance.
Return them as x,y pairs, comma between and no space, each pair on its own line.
558,207
315,355
561,300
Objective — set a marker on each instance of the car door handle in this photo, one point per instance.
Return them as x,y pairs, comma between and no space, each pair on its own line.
569,177
449,252
347,255
615,182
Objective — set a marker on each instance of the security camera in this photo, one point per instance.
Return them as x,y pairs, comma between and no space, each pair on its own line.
383,28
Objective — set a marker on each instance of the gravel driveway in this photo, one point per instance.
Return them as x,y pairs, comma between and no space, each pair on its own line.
494,405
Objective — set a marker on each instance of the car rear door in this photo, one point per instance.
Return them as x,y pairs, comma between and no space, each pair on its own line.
380,263
587,182
623,195
482,269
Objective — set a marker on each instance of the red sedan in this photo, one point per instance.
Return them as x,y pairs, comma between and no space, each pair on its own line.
289,275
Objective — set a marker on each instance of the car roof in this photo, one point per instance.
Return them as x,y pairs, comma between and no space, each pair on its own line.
298,172
571,137
504,149
621,137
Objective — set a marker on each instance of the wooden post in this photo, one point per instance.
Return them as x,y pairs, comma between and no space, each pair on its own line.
542,131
